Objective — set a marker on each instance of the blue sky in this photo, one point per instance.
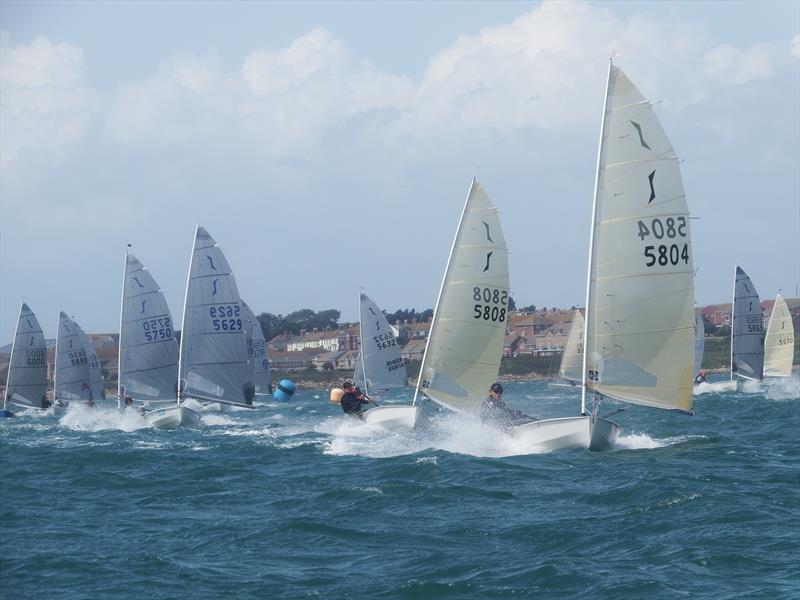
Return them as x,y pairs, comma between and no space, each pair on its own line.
329,146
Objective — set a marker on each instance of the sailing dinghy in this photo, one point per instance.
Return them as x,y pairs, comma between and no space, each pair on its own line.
26,386
699,348
148,351
779,343
213,361
572,359
640,292
257,354
465,343
71,377
381,368
747,335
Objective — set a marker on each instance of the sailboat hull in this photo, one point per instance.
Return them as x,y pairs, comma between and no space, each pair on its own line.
563,386
172,417
590,433
393,418
6,414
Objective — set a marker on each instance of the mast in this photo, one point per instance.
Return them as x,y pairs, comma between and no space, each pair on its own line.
441,289
361,349
120,399
183,317
733,311
14,343
591,243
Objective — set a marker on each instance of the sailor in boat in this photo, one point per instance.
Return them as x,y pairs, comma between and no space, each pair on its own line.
128,402
45,403
701,376
495,412
353,400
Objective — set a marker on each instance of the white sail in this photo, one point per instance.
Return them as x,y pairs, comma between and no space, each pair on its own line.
380,359
148,350
779,343
95,372
462,357
640,297
27,372
699,340
257,352
71,378
359,377
213,354
572,359
747,329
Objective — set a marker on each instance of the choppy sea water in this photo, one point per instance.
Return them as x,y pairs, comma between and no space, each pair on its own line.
296,500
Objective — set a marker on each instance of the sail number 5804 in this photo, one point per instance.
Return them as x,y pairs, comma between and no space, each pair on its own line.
491,304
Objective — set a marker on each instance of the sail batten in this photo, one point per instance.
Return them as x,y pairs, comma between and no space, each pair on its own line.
640,296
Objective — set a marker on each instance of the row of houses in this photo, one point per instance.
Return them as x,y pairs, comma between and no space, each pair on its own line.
540,333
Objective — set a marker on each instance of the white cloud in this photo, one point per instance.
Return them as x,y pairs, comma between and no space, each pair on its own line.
45,108
544,70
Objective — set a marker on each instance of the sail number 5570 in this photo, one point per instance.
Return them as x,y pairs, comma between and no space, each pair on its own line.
491,304
670,228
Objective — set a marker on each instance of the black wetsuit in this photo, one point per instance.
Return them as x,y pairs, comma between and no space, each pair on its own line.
352,404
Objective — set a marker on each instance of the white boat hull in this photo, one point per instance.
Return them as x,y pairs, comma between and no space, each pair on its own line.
715,387
172,417
393,418
591,433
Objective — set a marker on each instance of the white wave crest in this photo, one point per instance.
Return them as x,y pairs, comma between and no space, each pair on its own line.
83,418
784,389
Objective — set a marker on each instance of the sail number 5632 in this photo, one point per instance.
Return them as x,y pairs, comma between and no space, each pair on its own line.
491,304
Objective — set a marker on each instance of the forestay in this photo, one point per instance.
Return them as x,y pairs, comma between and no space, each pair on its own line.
380,359
213,355
572,359
747,331
462,357
640,298
779,343
699,340
148,350
257,352
72,363
27,371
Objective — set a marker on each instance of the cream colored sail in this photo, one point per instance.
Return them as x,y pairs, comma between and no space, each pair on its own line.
779,343
462,357
640,300
572,359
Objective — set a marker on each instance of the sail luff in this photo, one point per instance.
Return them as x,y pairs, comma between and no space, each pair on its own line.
589,285
441,289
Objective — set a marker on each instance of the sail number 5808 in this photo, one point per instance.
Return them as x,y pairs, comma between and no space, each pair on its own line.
491,304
